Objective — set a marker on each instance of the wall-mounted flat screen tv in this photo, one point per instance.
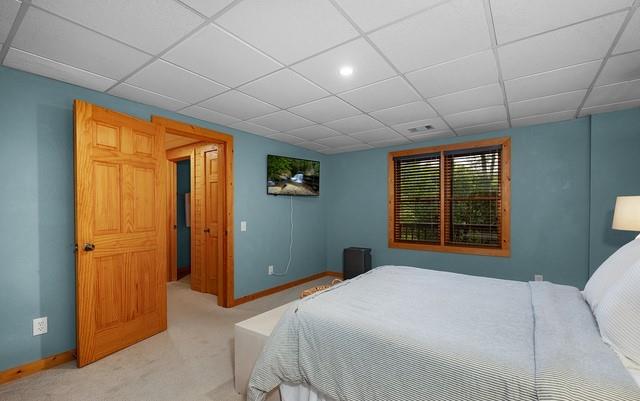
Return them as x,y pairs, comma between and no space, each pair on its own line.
292,177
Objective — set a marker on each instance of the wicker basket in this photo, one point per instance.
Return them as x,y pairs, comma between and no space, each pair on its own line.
317,288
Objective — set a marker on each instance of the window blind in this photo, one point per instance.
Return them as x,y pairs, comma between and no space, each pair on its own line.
417,198
473,197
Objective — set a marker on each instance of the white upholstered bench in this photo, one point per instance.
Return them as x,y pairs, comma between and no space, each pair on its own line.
250,337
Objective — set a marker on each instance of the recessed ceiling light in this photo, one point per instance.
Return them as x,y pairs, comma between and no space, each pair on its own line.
346,70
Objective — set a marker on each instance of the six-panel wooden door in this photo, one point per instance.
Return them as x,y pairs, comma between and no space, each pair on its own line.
120,231
213,214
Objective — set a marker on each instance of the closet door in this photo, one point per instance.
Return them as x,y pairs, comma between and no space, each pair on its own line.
120,231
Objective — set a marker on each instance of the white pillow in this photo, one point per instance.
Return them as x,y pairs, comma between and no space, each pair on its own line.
610,272
618,315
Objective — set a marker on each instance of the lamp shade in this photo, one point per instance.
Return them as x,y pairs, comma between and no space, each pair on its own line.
627,213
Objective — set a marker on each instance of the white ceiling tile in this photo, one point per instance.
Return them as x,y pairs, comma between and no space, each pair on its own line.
284,89
252,128
446,32
318,147
543,118
348,148
614,93
469,99
547,104
239,105
313,132
169,80
562,80
405,113
400,140
8,11
576,44
327,109
286,138
207,7
381,95
625,67
209,115
515,19
339,141
56,39
477,117
609,107
426,136
377,135
144,96
371,14
482,128
217,55
354,124
368,67
630,39
151,28
288,30
468,72
282,121
436,123
38,65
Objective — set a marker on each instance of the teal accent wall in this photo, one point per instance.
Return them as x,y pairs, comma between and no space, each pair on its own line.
615,170
549,207
565,177
183,233
37,212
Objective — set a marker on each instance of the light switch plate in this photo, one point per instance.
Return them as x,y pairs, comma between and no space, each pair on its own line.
243,226
40,326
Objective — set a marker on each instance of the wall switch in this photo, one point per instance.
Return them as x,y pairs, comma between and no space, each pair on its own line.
243,226
538,277
270,270
40,326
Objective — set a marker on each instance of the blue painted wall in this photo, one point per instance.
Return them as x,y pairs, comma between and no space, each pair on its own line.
615,170
183,233
565,178
549,207
37,212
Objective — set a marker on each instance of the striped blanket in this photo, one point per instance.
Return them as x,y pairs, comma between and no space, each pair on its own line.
407,334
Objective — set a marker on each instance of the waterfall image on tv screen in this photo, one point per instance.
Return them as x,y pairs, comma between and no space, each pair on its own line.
292,177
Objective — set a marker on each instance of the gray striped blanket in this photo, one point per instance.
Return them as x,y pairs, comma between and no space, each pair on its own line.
407,334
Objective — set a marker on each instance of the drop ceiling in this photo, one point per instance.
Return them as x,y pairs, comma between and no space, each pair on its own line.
271,68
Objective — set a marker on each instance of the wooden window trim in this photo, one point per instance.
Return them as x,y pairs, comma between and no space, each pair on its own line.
505,249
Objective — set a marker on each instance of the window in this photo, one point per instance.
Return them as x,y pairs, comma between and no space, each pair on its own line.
451,198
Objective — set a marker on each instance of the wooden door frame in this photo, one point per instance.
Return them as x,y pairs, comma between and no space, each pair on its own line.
173,156
225,293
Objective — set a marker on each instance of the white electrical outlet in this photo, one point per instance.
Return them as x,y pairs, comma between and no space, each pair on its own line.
270,270
538,277
243,226
40,326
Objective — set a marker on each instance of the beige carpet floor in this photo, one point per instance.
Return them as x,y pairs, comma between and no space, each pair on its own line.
192,360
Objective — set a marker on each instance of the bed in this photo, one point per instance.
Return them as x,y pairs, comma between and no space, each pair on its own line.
402,333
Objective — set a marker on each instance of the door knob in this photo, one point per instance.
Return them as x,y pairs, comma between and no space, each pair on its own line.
207,230
88,247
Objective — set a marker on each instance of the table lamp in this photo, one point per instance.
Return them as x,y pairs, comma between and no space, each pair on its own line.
626,215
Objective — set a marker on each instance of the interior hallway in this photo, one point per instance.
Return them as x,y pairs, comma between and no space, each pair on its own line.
192,360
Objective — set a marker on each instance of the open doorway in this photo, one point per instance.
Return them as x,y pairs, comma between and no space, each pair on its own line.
183,219
199,209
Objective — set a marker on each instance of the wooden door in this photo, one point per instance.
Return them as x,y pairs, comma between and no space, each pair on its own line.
213,194
120,231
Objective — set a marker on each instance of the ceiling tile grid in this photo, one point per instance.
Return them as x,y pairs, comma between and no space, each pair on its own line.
273,68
